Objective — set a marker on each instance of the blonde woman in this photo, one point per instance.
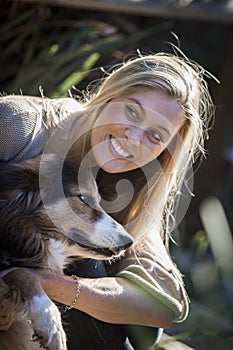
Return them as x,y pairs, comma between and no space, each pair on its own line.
140,130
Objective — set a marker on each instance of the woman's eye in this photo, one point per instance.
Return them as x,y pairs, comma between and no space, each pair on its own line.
155,136
132,113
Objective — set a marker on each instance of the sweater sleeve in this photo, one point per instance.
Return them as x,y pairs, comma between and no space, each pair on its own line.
146,268
22,134
26,123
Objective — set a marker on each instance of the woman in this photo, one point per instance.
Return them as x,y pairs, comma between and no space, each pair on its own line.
145,125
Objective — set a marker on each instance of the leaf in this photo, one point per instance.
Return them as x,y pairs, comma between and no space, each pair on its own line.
77,76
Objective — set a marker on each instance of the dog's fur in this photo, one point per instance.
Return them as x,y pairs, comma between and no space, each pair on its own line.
42,226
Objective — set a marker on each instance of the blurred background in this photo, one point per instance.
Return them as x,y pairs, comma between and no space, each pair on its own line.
62,46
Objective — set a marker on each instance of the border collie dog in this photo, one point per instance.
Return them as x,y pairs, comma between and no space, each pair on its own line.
49,213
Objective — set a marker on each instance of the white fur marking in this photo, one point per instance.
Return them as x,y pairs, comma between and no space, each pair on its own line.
46,322
57,257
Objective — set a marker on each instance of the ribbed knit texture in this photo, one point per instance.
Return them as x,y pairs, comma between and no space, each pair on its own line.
26,123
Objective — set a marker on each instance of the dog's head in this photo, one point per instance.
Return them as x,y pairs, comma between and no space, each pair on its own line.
58,203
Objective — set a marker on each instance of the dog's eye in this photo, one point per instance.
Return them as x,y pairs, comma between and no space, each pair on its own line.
86,200
82,198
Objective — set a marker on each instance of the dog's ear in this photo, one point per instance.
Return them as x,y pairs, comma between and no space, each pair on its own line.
19,185
23,185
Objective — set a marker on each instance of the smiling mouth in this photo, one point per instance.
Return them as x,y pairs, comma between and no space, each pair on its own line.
118,149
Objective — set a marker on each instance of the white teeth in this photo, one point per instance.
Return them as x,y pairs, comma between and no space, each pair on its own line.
118,149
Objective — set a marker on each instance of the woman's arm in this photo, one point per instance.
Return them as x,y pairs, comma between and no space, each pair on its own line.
110,299
146,289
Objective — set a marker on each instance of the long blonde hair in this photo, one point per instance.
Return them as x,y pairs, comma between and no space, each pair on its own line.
156,193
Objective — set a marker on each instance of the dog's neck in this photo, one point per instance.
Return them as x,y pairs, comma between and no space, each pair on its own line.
58,255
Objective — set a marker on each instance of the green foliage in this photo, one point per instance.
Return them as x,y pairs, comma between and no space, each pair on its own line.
38,48
74,78
208,269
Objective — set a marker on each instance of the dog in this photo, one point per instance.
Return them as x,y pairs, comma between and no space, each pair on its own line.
49,213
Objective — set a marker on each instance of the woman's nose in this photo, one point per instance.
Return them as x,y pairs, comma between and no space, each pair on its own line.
134,135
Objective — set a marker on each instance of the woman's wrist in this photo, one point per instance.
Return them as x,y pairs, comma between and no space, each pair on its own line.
78,291
62,288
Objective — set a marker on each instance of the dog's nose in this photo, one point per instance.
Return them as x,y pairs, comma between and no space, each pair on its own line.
124,240
127,241
126,246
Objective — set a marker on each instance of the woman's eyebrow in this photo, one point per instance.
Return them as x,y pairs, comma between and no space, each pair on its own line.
160,127
138,103
144,112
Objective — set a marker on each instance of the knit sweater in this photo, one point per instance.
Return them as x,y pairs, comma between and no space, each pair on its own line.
25,126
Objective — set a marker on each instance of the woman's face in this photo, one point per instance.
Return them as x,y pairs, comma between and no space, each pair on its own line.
131,131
